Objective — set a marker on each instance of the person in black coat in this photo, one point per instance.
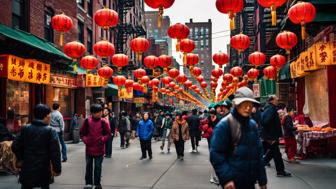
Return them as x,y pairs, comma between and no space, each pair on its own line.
289,136
271,132
5,135
107,114
194,130
38,148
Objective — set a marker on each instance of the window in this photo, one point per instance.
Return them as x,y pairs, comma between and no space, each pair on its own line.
207,31
207,43
18,14
89,7
48,31
89,41
81,31
80,3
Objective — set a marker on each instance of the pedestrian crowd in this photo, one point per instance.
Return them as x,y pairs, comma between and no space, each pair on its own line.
242,137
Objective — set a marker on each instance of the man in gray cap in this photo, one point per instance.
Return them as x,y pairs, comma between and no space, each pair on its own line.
236,150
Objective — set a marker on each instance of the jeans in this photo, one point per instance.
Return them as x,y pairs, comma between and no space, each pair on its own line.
98,160
166,135
273,151
194,141
179,146
108,147
30,187
64,148
146,146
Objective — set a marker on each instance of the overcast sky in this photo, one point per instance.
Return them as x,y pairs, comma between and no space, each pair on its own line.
201,11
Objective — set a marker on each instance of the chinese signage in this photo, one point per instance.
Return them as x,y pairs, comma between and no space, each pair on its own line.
256,90
139,100
126,93
26,70
63,81
95,81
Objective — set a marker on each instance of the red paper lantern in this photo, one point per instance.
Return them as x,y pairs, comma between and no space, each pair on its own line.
176,87
151,61
273,4
139,45
165,61
197,90
302,13
193,87
200,79
180,90
105,72
172,84
253,74
145,79
163,90
240,42
270,72
106,18
286,40
74,49
104,48
235,80
155,82
220,59
166,80
278,61
89,62
188,84
187,45
161,5
178,31
192,59
139,73
230,7
257,58
138,87
129,83
173,73
119,80
120,60
182,78
236,71
213,84
196,71
228,78
61,23
217,72
204,84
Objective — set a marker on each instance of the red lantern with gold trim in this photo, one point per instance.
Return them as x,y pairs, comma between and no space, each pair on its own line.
240,42
178,31
278,61
161,5
182,78
120,60
286,40
172,84
193,87
230,7
270,72
138,87
105,72
252,74
187,45
139,73
213,84
165,61
155,82
220,59
106,18
145,79
89,62
196,71
257,58
119,80
200,79
236,71
204,84
129,83
217,72
139,45
104,48
151,61
61,23
163,90
74,49
166,80
302,13
273,4
173,73
192,59
188,84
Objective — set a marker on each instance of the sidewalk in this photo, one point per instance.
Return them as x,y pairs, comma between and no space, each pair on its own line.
125,171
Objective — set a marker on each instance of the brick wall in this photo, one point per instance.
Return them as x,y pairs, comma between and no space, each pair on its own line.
6,12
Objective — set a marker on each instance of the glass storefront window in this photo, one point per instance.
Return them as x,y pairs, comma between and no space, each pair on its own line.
62,96
17,98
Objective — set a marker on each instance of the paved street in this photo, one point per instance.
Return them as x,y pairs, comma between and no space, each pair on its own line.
125,171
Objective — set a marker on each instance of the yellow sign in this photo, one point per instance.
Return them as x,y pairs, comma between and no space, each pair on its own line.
126,93
324,53
139,100
310,59
95,81
27,70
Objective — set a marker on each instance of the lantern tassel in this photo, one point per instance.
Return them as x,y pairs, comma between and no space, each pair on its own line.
61,39
232,23
160,17
119,92
178,45
274,16
75,68
303,32
184,59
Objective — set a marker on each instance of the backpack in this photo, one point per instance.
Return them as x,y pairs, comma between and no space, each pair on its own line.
122,125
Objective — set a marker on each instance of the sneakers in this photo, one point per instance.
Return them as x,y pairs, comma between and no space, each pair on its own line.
88,186
141,158
98,187
150,157
214,180
283,174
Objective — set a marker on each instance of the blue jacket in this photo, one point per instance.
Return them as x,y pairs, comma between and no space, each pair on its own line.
145,129
242,164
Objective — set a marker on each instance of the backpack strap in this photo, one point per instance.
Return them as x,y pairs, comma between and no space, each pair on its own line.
235,129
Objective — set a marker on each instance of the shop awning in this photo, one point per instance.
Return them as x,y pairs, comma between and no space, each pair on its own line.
284,73
27,45
112,90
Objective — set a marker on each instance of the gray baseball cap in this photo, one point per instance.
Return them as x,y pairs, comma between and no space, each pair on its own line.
244,94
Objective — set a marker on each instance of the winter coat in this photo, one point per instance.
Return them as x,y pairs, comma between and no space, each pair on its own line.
175,133
95,133
112,122
207,126
57,121
145,129
167,123
271,124
194,124
38,147
288,127
124,124
241,162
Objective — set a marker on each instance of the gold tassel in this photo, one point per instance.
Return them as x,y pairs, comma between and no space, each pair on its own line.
75,68
61,39
160,17
274,16
178,45
303,31
184,59
232,23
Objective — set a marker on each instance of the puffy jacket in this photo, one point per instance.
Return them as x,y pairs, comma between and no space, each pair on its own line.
271,124
38,147
95,133
241,163
175,132
194,125
145,129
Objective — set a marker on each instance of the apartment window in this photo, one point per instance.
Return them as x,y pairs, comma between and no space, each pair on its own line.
18,14
207,43
48,31
89,7
207,31
89,40
80,3
81,31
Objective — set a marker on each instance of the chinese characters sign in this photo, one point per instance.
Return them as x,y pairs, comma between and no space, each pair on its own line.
324,53
63,81
126,93
26,70
95,81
